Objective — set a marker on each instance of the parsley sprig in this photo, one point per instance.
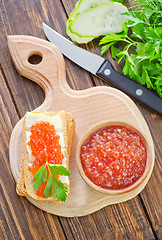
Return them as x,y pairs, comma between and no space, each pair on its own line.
53,184
142,50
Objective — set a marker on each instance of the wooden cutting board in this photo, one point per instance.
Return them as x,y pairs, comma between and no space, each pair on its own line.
87,106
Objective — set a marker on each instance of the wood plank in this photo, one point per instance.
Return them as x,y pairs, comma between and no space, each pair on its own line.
21,89
19,219
122,221
152,197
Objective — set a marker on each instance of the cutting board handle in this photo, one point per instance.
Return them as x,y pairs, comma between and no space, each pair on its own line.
49,73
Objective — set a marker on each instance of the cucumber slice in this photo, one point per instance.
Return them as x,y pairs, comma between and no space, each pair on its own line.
78,39
100,20
80,7
85,5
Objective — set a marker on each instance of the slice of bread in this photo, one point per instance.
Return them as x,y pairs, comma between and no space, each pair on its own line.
25,181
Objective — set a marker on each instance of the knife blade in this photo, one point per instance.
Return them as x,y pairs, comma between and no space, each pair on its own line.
102,68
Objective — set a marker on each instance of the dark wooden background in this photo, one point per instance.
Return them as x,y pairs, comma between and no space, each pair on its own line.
139,218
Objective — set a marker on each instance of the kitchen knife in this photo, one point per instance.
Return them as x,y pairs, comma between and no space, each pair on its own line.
103,69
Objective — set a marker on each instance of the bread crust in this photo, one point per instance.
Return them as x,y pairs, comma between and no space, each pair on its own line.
24,185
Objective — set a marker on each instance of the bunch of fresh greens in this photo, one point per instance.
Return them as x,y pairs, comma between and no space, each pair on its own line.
142,37
53,184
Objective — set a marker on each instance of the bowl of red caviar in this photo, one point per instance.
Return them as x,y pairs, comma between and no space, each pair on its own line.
113,157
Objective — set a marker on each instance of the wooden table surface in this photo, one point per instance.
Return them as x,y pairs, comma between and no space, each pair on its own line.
139,218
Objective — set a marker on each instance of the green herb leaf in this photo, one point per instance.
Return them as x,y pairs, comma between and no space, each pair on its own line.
126,67
133,17
59,190
114,52
138,31
151,33
112,37
53,184
41,176
106,47
61,170
158,86
48,188
146,76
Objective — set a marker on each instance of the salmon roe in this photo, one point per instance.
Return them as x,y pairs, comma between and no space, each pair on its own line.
44,143
113,157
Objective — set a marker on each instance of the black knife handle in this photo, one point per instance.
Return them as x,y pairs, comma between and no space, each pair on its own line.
132,88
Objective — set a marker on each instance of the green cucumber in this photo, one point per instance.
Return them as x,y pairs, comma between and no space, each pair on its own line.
84,5
78,39
100,20
80,7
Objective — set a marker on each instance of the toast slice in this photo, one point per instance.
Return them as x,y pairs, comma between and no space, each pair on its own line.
25,181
